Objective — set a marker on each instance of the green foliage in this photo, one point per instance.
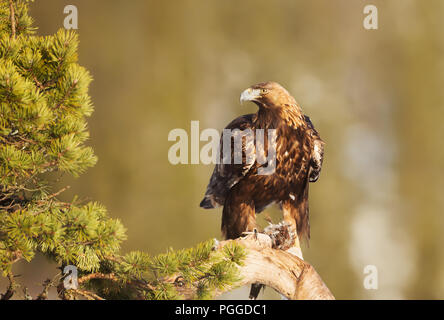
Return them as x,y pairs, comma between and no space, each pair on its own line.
198,271
44,103
22,19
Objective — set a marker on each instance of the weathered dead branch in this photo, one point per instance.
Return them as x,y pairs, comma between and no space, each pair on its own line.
284,272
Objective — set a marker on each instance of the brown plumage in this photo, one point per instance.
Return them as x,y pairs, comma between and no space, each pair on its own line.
299,154
242,191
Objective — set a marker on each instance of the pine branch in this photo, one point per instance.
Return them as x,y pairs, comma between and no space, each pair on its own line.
87,294
47,284
97,275
55,194
256,258
11,288
13,22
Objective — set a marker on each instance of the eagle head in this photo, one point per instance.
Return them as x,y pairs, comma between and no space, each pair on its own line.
268,95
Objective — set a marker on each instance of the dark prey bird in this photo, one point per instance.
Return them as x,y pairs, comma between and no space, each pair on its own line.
240,187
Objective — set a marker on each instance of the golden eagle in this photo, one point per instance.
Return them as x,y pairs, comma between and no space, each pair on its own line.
240,187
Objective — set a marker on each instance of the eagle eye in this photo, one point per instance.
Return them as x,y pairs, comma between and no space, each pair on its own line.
264,91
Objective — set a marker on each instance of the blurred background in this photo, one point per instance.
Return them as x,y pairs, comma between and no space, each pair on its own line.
375,96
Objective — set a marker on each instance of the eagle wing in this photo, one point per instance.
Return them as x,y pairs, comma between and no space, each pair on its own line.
317,151
227,174
298,205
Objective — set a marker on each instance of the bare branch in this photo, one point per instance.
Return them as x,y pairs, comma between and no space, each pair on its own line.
11,288
97,275
284,272
47,284
87,294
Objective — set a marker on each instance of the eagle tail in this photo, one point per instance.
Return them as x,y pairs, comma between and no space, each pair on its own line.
302,216
255,290
207,203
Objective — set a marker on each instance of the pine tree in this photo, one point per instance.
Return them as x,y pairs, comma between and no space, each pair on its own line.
44,104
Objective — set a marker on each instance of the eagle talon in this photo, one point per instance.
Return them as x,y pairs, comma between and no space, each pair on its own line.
255,233
281,234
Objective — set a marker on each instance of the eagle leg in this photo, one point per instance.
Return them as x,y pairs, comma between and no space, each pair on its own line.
238,215
290,219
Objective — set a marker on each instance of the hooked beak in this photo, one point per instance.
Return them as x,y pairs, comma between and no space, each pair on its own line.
250,95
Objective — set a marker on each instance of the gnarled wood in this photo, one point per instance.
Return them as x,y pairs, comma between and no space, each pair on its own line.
284,272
